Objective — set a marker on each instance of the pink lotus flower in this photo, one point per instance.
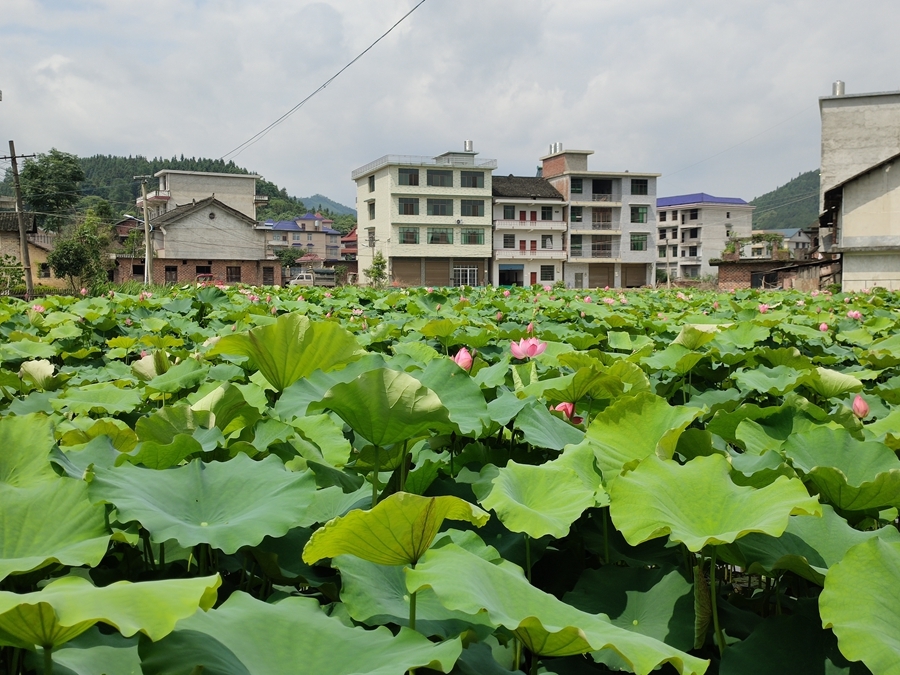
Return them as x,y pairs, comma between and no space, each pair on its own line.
83,291
274,310
588,299
609,301
606,288
499,316
463,298
716,305
854,314
429,290
547,289
463,359
143,353
846,300
527,348
763,308
38,308
299,298
327,294
860,407
823,327
530,327
128,322
568,409
268,298
582,315
505,294
814,293
328,315
680,295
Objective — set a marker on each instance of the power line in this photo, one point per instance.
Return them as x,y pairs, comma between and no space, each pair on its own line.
261,134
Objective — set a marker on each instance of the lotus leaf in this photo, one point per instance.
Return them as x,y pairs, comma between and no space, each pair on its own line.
776,381
224,504
69,606
543,430
93,653
458,393
859,605
697,504
832,384
397,531
26,442
853,475
467,583
104,396
297,634
185,375
292,348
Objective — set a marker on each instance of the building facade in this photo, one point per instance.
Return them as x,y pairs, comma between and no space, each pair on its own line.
430,217
311,232
177,188
611,238
529,232
694,229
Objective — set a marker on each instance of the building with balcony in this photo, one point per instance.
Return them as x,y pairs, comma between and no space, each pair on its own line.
611,221
311,232
529,231
430,217
695,228
177,188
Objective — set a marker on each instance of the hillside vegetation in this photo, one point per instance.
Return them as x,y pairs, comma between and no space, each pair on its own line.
794,204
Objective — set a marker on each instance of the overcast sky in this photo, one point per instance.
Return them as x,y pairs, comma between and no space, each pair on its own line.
719,97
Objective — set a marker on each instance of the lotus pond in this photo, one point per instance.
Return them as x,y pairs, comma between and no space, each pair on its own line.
244,481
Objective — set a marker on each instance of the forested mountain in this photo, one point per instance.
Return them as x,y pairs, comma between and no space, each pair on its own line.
794,204
321,202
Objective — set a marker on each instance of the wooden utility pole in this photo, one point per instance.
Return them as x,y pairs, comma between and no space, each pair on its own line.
148,245
23,234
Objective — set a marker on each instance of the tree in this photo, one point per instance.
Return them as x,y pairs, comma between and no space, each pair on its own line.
288,256
50,186
377,273
82,253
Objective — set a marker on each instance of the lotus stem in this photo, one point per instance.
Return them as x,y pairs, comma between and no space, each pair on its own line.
528,557
48,660
412,610
720,637
375,478
517,654
606,536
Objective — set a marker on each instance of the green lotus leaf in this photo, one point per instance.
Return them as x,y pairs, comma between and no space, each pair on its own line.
694,336
543,430
853,475
743,336
187,651
651,602
886,429
104,396
675,358
397,531
458,393
69,606
883,353
376,595
26,350
224,504
776,381
808,547
417,351
94,653
832,384
155,455
465,582
326,441
119,434
291,348
590,382
622,341
26,442
538,500
635,427
165,424
386,406
51,522
697,504
299,637
859,604
185,375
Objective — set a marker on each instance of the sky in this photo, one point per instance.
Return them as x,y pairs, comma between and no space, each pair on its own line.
718,97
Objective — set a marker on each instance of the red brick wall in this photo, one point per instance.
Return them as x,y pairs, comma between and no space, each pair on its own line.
737,275
554,166
251,270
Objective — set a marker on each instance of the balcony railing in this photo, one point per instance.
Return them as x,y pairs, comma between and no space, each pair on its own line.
530,253
530,224
596,197
595,252
413,160
155,196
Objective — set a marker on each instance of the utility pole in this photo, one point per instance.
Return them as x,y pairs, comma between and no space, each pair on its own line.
20,210
148,245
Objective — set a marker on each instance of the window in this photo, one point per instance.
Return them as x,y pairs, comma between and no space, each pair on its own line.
546,241
440,207
662,216
309,237
509,241
756,251
472,235
577,186
233,274
575,245
472,207
674,251
694,233
465,276
674,216
638,242
547,272
639,214
204,269
409,176
440,235
44,272
727,215
137,270
509,212
268,276
575,214
370,231
372,183
695,213
371,210
472,179
440,178
409,235
692,251
601,219
409,206
639,186
661,251
546,213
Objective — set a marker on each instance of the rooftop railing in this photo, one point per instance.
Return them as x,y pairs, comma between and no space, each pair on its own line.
415,160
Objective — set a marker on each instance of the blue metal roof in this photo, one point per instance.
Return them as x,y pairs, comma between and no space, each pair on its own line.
697,198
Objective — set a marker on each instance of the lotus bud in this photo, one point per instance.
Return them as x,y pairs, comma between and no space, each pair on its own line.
763,308
823,327
860,407
505,294
530,328
463,359
547,289
499,316
83,291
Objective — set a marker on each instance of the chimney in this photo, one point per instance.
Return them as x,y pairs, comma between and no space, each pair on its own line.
837,89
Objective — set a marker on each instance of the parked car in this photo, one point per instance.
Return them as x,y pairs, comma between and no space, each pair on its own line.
318,277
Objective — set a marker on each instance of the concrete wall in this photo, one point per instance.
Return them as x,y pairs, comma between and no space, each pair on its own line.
714,222
858,131
224,237
237,191
867,270
870,211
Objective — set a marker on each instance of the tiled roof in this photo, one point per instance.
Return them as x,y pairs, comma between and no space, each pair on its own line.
9,222
523,187
183,210
697,198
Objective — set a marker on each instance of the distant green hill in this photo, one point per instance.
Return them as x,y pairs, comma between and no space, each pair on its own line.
794,204
320,202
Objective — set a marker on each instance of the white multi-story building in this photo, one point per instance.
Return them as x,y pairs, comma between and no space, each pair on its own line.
694,229
430,217
529,232
612,221
177,188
